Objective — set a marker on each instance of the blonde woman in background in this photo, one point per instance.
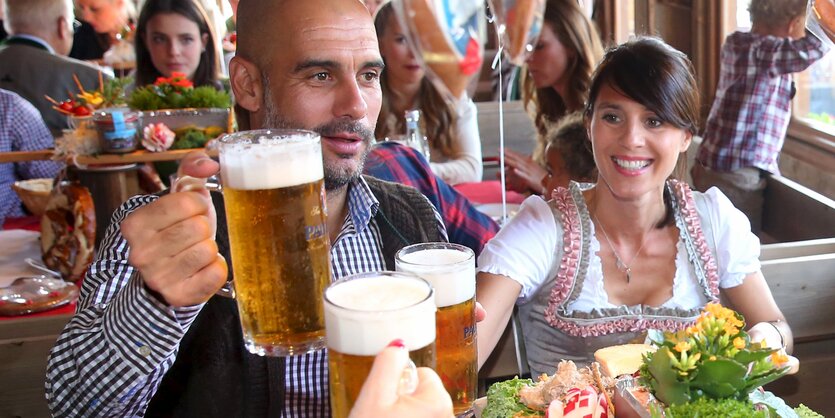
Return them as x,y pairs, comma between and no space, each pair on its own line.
556,83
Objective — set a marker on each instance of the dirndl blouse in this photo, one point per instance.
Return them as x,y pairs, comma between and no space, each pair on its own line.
551,250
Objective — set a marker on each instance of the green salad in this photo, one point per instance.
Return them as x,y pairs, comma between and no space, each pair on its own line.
503,400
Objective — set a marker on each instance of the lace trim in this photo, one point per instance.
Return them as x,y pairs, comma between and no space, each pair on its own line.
574,218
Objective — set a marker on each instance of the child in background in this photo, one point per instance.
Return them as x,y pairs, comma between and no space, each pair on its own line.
752,108
568,154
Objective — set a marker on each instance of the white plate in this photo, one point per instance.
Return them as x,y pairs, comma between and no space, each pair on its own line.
494,210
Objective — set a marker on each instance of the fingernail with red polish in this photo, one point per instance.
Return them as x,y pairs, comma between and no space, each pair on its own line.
397,343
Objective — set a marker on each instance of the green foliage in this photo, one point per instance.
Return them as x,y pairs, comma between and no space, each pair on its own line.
153,97
503,400
190,138
803,411
715,408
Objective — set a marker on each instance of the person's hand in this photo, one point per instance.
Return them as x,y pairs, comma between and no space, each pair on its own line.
172,241
522,173
480,312
768,333
379,394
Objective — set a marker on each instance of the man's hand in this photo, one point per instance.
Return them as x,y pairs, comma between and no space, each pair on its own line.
172,241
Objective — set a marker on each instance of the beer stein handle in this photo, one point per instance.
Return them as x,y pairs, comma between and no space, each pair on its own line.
212,184
408,380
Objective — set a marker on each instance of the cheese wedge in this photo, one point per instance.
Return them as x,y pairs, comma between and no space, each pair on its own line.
621,359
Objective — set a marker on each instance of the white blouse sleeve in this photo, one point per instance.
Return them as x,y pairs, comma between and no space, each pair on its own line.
525,250
737,249
465,166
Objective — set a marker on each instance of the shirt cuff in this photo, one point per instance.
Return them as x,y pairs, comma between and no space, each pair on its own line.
143,330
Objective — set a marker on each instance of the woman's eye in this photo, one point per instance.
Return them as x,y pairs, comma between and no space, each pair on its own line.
608,117
187,39
400,39
655,122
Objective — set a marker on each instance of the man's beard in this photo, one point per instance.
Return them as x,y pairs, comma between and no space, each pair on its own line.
336,177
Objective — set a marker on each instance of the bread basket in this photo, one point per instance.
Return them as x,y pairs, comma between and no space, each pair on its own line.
34,194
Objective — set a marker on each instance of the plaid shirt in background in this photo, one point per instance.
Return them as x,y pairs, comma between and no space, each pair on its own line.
21,129
749,117
398,163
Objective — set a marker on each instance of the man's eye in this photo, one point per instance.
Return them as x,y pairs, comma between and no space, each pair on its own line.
370,76
321,76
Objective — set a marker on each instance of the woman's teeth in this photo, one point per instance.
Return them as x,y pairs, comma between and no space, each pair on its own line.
631,164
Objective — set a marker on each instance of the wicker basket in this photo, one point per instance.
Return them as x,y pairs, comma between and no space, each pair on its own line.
34,194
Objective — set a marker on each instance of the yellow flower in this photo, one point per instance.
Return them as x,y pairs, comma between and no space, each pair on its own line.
779,358
730,329
739,343
682,346
94,98
712,358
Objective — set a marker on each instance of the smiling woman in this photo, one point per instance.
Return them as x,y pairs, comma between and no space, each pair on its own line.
601,264
174,36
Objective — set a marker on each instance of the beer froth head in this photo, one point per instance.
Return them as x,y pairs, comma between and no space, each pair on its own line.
312,65
365,312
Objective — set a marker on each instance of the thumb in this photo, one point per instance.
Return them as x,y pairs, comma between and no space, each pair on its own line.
386,372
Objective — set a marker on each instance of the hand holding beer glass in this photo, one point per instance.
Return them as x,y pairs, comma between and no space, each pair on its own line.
273,188
363,313
450,269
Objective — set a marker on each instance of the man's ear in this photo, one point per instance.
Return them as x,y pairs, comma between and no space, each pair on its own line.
245,78
62,28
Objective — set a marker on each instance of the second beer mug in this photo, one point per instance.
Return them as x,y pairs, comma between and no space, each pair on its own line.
450,269
363,313
274,193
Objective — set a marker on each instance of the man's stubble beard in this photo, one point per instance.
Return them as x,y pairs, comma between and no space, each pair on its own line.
336,177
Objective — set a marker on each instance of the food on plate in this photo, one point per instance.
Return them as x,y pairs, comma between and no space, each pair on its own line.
68,230
825,12
622,359
570,392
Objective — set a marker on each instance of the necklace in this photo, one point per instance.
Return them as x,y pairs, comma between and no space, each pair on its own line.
627,268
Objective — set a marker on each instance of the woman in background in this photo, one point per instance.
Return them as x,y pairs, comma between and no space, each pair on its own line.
557,82
452,130
104,23
174,36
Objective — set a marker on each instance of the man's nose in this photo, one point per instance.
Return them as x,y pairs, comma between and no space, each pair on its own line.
350,101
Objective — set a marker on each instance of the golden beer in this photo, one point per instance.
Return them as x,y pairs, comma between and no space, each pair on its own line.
347,374
363,314
450,269
273,190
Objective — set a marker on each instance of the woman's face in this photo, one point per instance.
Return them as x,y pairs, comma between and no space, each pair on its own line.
175,44
106,16
635,151
402,66
549,60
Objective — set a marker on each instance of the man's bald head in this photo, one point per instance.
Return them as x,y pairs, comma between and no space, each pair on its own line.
266,25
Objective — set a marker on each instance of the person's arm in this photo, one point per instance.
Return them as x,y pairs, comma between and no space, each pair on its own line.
29,133
157,266
754,301
497,294
466,166
785,56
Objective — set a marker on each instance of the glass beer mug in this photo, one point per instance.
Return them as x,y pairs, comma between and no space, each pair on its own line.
450,269
273,189
363,313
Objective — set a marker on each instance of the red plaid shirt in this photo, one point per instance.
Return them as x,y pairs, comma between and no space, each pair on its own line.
749,117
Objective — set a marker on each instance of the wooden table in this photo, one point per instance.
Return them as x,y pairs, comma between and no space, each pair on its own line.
131,157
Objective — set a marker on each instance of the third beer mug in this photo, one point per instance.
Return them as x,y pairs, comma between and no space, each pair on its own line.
363,313
274,193
450,269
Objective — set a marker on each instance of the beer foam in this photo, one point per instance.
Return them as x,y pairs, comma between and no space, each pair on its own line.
447,270
270,164
362,316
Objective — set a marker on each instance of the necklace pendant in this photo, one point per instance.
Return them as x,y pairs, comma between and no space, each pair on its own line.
628,274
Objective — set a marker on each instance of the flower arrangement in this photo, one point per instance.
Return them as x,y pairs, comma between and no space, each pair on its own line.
111,93
713,359
177,92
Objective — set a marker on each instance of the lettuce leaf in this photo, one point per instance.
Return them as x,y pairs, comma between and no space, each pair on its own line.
503,400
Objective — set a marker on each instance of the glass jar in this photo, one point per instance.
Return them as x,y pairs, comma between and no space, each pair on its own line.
118,129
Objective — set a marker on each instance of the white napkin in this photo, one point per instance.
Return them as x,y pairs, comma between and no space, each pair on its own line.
15,246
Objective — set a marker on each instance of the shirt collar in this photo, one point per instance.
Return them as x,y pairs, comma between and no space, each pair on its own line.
362,204
34,39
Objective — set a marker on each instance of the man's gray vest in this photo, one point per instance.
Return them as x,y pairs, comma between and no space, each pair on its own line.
214,375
